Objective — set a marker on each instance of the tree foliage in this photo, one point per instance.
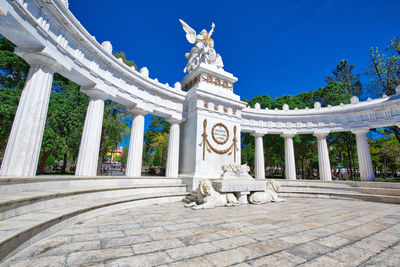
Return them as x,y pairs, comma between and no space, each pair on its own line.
156,142
384,69
64,123
115,128
384,74
122,56
344,74
13,72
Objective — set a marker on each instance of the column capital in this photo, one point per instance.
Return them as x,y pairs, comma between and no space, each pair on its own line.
174,120
40,56
258,134
95,93
288,134
321,134
140,109
360,131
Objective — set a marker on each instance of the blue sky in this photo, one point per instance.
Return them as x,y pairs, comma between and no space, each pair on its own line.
273,47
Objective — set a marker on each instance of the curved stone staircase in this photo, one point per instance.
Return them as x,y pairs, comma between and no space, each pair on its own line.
367,191
33,208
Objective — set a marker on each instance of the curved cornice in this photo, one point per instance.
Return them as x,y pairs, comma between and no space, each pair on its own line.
375,113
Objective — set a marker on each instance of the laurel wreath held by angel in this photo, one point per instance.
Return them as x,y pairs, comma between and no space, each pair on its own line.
203,50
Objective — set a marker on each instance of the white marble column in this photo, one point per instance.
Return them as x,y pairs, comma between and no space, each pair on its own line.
290,163
173,149
259,156
364,157
325,173
23,148
134,162
89,148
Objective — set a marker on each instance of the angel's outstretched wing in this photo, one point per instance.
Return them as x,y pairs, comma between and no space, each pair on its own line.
190,33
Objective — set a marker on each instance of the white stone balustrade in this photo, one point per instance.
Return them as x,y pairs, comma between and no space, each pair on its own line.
259,156
364,156
88,156
23,148
172,167
325,173
134,162
290,162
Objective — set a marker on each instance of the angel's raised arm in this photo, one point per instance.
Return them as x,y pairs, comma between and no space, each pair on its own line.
212,30
190,33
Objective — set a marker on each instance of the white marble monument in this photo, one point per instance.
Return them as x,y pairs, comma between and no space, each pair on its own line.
210,135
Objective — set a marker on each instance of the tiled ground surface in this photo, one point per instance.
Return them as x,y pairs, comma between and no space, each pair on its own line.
305,232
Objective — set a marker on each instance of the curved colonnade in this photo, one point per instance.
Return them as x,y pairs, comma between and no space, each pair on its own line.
51,40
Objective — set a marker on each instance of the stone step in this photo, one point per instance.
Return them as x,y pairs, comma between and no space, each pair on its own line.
346,184
364,190
21,231
339,195
37,183
19,203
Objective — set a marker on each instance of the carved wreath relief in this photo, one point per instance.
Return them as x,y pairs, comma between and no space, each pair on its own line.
220,135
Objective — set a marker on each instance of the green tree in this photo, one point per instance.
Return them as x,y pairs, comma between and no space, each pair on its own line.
156,142
344,74
13,72
64,123
115,129
384,69
384,73
122,55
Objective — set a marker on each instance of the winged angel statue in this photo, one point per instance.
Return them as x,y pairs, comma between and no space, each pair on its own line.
203,50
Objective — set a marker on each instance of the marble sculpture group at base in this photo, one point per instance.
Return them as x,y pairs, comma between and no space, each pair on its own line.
206,197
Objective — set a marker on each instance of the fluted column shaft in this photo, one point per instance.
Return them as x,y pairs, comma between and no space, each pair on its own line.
364,156
323,157
23,148
88,156
259,156
290,163
173,150
134,162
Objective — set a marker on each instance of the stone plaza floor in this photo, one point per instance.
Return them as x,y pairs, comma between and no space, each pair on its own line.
305,232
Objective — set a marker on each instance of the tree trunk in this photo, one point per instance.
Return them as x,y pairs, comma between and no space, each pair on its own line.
101,152
42,162
396,131
64,167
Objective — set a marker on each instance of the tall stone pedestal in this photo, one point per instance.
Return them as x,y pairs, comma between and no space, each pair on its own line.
210,137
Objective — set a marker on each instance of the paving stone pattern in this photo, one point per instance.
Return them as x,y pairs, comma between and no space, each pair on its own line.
300,232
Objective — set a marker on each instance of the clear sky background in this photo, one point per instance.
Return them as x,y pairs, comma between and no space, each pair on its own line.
273,47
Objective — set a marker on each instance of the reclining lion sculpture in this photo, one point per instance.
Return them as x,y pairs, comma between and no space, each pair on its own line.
208,198
269,195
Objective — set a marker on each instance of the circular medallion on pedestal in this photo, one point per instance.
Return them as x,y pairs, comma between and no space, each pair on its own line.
220,133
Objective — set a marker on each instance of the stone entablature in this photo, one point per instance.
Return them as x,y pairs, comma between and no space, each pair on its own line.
380,112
